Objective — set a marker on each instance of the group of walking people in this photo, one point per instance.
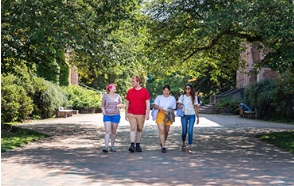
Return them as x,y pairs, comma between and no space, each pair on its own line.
137,110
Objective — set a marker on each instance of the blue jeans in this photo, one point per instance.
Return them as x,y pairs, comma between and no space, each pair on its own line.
188,126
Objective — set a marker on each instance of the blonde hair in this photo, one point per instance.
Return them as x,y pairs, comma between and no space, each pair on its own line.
137,78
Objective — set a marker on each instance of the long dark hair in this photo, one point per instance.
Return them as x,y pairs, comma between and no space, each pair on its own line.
192,92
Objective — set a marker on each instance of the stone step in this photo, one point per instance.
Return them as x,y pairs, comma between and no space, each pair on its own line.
208,109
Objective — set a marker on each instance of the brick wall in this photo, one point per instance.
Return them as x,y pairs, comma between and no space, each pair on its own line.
269,74
74,78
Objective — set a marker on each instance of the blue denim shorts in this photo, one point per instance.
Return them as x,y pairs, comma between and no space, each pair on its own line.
112,119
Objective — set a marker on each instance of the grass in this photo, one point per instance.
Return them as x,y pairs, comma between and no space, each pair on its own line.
12,137
284,140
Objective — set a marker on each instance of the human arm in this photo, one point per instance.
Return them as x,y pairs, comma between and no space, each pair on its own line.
119,103
103,104
196,108
147,109
126,111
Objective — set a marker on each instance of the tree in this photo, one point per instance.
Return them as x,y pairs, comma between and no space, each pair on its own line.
38,33
213,31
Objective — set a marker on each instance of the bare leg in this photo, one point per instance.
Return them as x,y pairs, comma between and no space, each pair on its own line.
166,131
107,126
161,134
113,132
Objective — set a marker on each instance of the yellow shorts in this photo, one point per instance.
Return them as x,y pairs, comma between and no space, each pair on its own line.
160,118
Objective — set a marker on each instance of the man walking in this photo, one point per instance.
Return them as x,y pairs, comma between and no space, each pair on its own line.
137,110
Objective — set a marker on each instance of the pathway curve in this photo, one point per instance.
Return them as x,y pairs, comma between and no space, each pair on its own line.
225,153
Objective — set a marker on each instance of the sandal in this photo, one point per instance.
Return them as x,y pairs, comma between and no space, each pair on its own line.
183,147
189,151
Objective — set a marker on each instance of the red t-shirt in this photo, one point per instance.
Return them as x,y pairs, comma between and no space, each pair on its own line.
137,101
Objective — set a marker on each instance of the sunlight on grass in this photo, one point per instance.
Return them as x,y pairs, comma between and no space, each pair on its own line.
17,137
284,140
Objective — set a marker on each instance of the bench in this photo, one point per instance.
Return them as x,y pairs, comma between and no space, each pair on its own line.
250,114
62,112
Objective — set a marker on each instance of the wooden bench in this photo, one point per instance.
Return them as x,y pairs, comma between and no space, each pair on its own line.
250,114
62,112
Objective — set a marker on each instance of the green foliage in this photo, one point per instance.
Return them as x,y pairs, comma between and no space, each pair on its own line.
231,104
47,98
16,104
283,96
260,96
175,81
82,98
16,137
38,33
272,98
64,75
284,140
194,36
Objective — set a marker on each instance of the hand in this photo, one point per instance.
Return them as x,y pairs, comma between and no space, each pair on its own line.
197,121
147,117
127,117
120,105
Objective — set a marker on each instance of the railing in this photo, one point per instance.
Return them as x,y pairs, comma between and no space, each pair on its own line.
90,88
213,98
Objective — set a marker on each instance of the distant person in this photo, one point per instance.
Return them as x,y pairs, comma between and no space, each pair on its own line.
137,110
189,101
165,105
242,107
111,104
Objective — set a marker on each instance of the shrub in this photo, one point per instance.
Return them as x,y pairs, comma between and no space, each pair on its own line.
283,96
47,98
82,98
271,98
259,95
16,105
231,104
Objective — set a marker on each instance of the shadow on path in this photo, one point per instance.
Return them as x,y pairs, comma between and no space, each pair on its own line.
221,156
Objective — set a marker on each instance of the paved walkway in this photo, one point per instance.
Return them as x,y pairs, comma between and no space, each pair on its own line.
225,153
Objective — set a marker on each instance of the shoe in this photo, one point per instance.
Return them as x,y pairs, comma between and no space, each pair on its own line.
105,149
132,148
113,149
189,151
184,148
163,150
138,148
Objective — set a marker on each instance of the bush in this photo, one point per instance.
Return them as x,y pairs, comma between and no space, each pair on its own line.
283,96
260,96
16,105
82,98
231,104
272,98
47,98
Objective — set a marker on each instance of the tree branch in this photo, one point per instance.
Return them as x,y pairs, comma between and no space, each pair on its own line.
215,41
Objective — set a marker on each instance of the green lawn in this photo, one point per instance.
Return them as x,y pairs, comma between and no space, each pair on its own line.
12,137
284,140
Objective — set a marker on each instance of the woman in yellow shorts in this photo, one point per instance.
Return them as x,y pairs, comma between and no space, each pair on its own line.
164,104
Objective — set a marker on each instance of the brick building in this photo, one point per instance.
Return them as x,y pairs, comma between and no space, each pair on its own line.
248,74
74,78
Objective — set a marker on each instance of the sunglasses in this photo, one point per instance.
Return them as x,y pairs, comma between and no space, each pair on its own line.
187,88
